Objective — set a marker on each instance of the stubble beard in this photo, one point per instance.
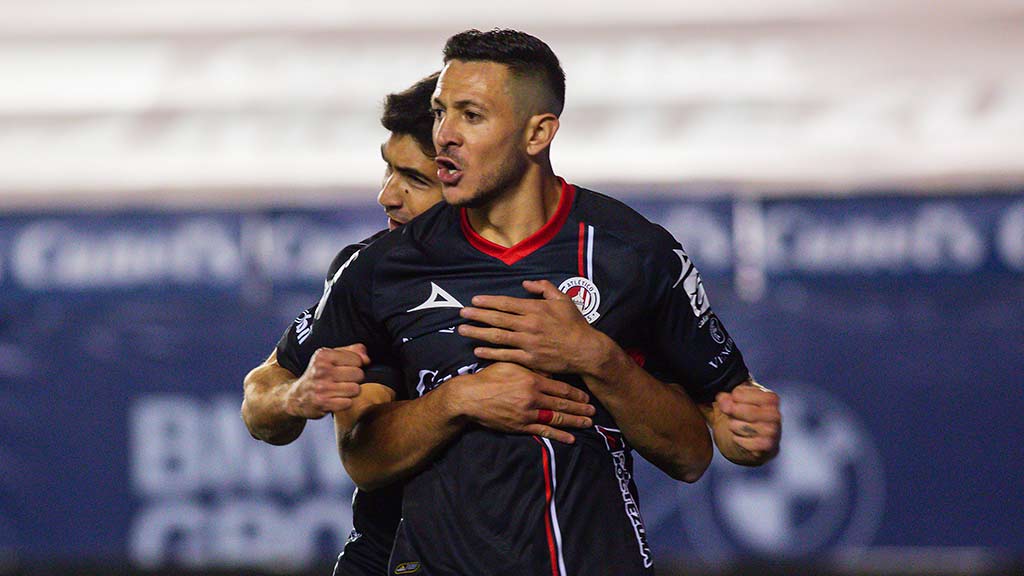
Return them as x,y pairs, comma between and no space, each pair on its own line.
494,185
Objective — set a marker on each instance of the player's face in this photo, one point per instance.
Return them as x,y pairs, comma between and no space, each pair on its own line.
410,180
477,132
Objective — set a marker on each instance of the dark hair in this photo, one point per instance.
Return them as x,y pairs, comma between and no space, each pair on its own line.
525,55
408,112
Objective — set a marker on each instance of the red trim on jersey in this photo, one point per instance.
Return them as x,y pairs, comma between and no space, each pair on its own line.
528,245
638,356
552,549
612,441
583,245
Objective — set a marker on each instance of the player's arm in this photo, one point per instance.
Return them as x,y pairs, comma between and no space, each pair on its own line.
744,417
263,404
391,440
550,334
657,418
371,394
277,403
303,378
746,423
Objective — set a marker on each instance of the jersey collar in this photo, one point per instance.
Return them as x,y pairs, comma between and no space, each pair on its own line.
530,244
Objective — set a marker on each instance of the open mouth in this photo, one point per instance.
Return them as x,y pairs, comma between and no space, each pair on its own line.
448,172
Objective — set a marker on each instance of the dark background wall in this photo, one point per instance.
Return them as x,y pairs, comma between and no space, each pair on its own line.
892,327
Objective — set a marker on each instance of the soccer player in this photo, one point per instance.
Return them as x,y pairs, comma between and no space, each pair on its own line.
305,377
283,392
480,501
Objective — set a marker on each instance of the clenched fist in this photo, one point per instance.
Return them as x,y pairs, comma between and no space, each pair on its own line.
329,384
753,420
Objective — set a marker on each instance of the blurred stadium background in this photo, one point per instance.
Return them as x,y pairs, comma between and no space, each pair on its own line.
175,176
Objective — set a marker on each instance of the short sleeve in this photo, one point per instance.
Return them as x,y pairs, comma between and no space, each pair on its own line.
689,343
390,376
342,317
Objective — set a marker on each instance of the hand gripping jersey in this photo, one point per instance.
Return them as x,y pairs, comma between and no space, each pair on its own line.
494,503
375,515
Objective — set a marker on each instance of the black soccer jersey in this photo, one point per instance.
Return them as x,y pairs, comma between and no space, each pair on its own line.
375,515
494,503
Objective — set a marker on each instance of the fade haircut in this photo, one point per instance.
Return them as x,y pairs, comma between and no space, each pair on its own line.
526,56
408,113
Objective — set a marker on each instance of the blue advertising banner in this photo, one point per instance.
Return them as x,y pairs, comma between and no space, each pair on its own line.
892,327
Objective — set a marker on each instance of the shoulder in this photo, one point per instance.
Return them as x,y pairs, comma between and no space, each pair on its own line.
362,258
345,253
404,243
615,218
438,220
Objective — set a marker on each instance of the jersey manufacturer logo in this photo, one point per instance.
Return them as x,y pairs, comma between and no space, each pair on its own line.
407,568
690,278
438,298
585,296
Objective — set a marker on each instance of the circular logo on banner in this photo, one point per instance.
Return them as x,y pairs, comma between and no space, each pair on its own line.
584,294
825,489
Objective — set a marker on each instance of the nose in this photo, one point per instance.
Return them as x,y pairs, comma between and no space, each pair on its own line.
390,196
445,134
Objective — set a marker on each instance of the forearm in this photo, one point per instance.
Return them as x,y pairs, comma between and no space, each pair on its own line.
391,441
658,419
263,406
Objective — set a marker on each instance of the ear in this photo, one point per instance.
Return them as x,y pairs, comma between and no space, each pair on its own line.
540,131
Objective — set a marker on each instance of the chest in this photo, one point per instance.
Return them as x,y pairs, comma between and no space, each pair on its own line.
419,298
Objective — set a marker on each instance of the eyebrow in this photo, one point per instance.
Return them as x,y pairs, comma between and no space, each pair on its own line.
412,172
467,103
458,104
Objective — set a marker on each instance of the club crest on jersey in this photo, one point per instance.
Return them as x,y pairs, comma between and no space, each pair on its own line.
584,294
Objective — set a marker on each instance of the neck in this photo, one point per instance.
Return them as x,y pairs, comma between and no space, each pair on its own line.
520,211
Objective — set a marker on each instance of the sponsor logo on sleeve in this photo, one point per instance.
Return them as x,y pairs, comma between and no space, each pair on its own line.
690,279
715,329
303,326
719,360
